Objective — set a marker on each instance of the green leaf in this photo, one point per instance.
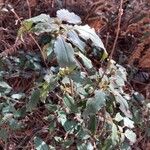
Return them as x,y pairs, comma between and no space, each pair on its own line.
70,17
130,135
8,109
85,146
6,118
40,144
14,124
49,50
125,146
114,136
21,112
90,146
92,123
40,18
70,103
86,32
3,134
67,143
75,40
128,123
83,134
25,27
4,87
138,97
35,97
124,107
121,71
95,104
69,126
44,27
119,81
108,144
148,105
52,126
57,138
118,117
81,146
87,62
51,107
62,117
64,53
17,96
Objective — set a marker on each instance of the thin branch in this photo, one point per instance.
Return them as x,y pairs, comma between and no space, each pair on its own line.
116,38
29,8
43,56
118,30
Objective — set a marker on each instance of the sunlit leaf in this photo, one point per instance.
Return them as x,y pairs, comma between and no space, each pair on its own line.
40,144
118,117
4,87
73,37
128,123
62,117
90,146
148,105
40,18
57,138
70,17
88,33
18,96
130,135
7,117
124,106
25,27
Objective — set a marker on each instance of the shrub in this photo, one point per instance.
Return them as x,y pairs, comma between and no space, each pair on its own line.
87,107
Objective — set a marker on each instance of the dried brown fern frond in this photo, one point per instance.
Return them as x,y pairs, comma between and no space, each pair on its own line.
144,62
136,53
11,50
141,54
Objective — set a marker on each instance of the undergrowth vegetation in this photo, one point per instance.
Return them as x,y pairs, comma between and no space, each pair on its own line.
85,107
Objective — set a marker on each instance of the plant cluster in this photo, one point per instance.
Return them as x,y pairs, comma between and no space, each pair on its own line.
87,107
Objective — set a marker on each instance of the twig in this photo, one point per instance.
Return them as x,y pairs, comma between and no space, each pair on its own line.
16,15
118,30
29,8
43,56
116,38
107,37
